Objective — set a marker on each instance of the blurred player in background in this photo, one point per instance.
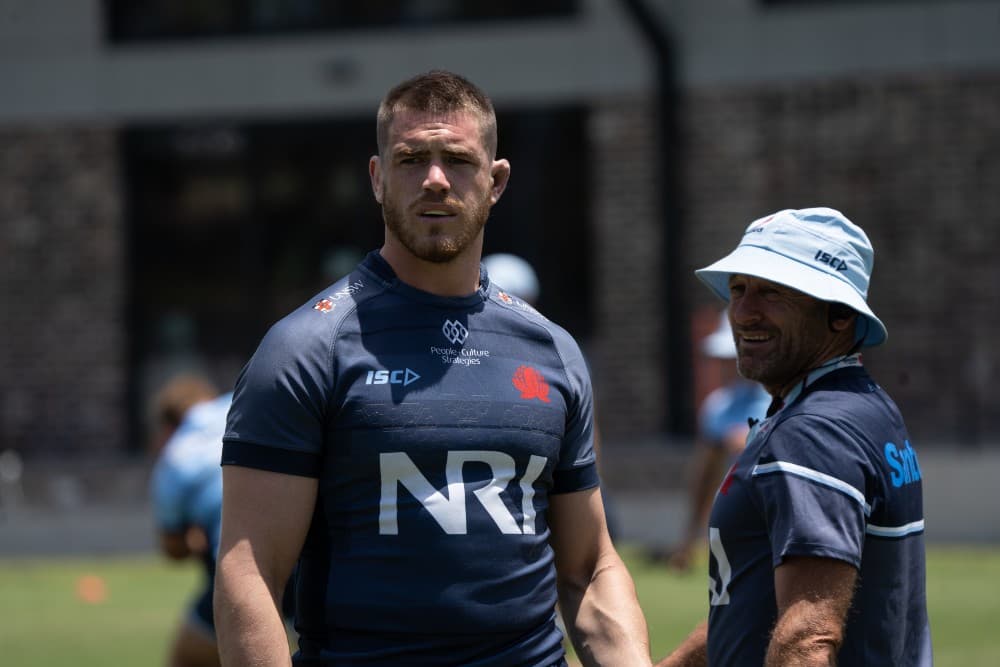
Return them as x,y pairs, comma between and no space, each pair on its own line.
723,425
186,489
816,536
513,274
424,439
187,499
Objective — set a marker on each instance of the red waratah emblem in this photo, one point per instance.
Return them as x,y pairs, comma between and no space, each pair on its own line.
505,297
728,481
531,384
323,306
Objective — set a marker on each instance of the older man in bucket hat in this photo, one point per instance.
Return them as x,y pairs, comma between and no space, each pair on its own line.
816,533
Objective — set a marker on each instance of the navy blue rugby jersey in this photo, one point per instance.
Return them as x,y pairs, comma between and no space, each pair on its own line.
437,428
831,475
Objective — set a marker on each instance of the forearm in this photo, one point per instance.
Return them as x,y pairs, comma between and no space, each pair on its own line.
800,645
248,622
705,477
603,617
813,596
693,651
700,499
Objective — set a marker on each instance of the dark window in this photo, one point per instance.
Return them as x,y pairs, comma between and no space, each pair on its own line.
144,20
233,226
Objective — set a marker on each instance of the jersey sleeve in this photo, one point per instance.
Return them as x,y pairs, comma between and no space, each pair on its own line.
730,407
810,480
168,494
577,468
714,419
281,397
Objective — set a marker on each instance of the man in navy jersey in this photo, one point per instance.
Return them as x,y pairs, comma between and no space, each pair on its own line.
421,442
816,533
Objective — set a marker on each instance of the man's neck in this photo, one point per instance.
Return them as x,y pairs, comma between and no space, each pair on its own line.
809,376
836,348
458,277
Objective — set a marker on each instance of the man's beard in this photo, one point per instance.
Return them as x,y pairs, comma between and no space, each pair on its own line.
423,239
791,358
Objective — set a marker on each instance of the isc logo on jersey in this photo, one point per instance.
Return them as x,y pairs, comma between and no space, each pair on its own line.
404,377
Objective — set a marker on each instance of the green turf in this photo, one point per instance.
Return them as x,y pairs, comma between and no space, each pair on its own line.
963,594
43,622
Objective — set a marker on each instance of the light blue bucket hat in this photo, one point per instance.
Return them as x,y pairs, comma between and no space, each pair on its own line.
817,251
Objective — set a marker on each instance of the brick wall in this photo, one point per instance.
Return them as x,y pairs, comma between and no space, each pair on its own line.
915,160
62,356
626,353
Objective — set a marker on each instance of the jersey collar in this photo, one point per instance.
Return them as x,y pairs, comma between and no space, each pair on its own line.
845,361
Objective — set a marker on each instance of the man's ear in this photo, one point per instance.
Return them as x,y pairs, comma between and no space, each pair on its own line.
500,175
375,174
840,317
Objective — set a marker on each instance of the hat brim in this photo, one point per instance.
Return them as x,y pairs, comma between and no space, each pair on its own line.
762,263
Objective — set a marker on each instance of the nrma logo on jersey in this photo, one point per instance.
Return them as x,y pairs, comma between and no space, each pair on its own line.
404,377
905,468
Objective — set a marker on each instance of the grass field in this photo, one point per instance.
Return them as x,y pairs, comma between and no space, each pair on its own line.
120,611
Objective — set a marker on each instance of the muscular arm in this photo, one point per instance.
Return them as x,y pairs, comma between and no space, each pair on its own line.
596,594
813,596
265,517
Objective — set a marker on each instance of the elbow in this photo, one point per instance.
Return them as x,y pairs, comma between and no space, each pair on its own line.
573,585
570,591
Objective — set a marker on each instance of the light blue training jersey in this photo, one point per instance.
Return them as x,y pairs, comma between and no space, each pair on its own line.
730,406
187,477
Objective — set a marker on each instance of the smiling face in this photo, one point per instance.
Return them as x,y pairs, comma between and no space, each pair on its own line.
780,333
436,182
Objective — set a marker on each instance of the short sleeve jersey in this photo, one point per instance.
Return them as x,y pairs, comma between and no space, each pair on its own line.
832,475
729,407
437,428
186,479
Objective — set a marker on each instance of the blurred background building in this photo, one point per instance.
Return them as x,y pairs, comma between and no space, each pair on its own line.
176,175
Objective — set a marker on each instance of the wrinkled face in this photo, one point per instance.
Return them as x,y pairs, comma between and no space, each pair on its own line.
436,183
780,333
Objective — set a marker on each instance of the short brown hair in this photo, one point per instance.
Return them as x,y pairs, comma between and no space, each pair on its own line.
178,395
438,92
